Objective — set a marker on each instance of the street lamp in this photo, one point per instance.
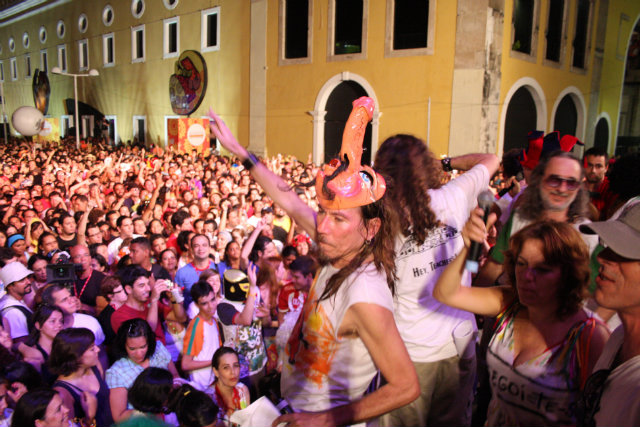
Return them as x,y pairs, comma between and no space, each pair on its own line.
92,73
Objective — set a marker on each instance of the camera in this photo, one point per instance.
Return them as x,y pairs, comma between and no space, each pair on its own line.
63,271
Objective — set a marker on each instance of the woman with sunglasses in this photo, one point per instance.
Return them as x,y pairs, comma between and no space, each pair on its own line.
544,344
138,349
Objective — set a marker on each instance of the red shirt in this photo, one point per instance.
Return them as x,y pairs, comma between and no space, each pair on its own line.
290,299
125,313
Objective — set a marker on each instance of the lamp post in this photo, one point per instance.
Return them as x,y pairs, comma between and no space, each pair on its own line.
92,73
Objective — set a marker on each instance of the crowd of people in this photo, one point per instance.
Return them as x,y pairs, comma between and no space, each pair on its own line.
181,287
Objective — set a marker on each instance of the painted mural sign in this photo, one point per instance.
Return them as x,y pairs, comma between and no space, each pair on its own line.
188,83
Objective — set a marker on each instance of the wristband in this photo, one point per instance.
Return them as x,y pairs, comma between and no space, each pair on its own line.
250,161
446,164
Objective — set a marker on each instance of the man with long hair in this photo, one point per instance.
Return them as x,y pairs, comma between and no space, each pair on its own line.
555,192
429,217
346,330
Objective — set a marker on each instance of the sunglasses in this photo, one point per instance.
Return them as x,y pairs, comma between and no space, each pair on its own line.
555,181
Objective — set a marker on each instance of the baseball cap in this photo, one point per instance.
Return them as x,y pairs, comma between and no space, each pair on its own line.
622,235
13,272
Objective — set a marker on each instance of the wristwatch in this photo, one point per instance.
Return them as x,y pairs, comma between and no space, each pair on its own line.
446,164
250,161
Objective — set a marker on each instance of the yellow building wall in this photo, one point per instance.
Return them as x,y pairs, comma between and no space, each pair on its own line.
552,79
623,16
129,89
402,85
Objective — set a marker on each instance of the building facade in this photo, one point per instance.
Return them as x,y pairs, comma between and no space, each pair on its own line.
465,76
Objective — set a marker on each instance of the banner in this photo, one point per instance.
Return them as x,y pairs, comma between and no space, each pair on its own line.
187,135
50,130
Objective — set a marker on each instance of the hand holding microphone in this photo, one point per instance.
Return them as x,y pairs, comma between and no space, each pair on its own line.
476,230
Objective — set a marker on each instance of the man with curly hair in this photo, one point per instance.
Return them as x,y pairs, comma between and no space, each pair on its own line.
430,217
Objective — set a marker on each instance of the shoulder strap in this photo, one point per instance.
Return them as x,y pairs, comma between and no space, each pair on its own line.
27,314
77,406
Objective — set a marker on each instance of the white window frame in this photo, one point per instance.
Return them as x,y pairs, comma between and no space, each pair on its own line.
563,38
105,47
87,125
587,45
28,71
282,35
135,126
62,57
165,45
115,127
390,52
204,29
535,27
134,31
81,43
68,119
14,68
44,60
331,34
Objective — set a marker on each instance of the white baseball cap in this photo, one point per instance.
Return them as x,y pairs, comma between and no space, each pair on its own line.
13,272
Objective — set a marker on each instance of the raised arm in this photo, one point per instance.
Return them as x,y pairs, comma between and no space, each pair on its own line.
467,161
449,289
273,185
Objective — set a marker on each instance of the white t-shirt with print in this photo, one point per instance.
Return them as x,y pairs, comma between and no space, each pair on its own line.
322,370
425,324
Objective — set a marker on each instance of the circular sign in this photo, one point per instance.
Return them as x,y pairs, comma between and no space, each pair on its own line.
188,83
196,134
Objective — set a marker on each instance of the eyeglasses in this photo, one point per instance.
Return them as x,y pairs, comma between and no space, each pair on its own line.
555,181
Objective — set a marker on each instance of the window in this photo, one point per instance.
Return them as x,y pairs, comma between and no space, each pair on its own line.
137,44
170,4
137,8
62,57
347,28
107,15
1,71
42,34
210,30
83,55
295,31
44,61
171,37
581,33
14,68
27,66
83,23
65,124
12,44
522,25
140,127
410,27
25,40
555,29
60,29
108,59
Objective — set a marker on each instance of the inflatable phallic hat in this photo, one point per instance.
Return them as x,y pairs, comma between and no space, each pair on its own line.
344,182
541,145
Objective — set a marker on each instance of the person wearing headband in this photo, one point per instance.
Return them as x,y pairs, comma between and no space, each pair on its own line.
346,331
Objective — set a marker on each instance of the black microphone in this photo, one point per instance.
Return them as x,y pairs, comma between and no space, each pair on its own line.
506,189
485,200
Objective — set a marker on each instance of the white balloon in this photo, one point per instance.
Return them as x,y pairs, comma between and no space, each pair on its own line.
27,121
